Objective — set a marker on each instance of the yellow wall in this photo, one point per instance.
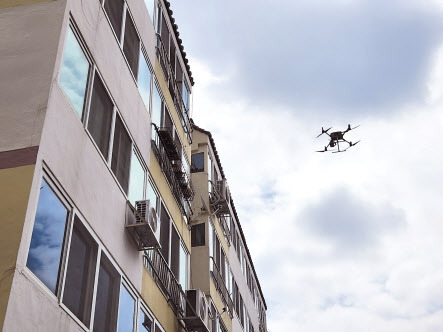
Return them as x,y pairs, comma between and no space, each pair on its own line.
168,198
157,303
15,186
13,3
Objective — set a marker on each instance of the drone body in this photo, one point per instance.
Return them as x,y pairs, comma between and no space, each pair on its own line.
335,138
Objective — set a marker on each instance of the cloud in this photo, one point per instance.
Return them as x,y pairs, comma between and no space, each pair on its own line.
334,56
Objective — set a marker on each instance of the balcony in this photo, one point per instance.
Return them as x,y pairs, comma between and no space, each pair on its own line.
171,289
179,181
221,287
174,89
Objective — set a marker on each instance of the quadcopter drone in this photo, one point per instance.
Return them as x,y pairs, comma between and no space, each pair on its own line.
335,138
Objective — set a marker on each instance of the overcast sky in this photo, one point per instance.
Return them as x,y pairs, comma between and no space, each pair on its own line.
341,242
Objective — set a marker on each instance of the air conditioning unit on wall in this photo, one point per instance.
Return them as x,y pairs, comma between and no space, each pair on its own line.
148,213
197,310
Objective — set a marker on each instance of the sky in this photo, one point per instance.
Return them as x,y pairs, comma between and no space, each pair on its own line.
340,242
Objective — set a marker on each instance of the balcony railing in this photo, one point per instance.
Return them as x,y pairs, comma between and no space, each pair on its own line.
174,89
167,281
221,287
179,182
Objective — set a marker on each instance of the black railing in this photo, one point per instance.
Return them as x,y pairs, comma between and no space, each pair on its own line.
221,287
168,283
174,89
183,191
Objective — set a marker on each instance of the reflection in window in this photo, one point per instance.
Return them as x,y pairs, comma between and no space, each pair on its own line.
107,297
185,96
100,116
175,253
74,73
77,295
136,180
198,162
121,154
125,311
131,45
144,80
47,238
144,322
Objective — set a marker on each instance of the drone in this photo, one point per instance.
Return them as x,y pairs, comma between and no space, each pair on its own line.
336,138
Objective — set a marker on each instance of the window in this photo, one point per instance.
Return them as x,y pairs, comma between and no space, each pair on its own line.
156,112
198,162
45,252
136,180
164,233
175,252
209,173
74,73
125,310
185,95
152,196
144,79
145,323
198,235
121,154
183,277
79,282
114,9
131,45
105,318
100,116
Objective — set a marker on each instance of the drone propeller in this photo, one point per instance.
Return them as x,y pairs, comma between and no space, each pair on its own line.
323,131
349,127
352,144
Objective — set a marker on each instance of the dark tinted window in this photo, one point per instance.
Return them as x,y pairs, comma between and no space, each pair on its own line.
164,233
131,45
114,9
100,116
121,154
198,235
175,253
198,162
107,297
47,238
80,273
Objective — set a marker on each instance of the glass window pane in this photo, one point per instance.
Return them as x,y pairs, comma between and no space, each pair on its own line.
77,295
144,322
144,80
183,268
131,45
198,162
121,154
151,195
175,253
125,311
74,73
114,9
164,233
137,179
185,96
198,235
156,110
47,238
107,297
100,116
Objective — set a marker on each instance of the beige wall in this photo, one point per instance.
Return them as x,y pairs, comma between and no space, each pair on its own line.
15,185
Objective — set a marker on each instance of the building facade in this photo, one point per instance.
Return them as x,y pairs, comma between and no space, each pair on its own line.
97,202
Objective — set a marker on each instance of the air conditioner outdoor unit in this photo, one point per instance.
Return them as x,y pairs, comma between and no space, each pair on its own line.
148,212
197,318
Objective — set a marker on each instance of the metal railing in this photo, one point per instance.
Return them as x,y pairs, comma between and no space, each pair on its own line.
174,90
182,190
168,283
221,287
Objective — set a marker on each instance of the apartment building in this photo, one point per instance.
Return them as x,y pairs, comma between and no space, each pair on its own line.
221,263
96,197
